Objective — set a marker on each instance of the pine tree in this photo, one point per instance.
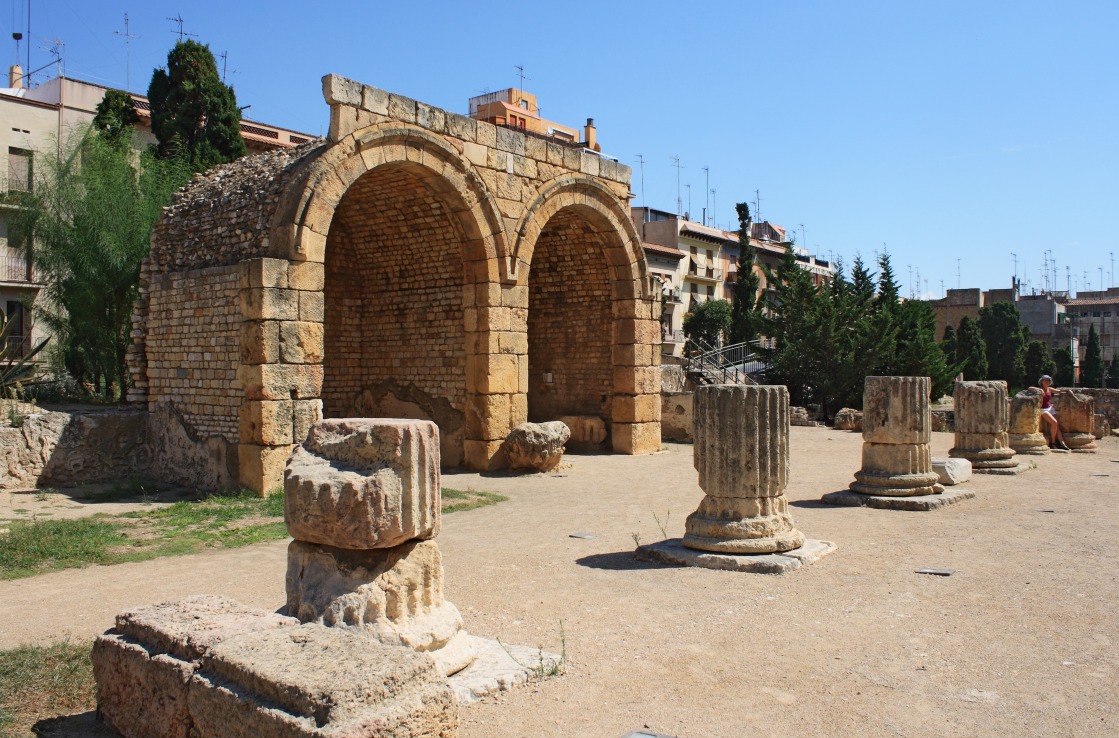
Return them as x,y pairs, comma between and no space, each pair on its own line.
888,290
1113,372
115,117
948,345
1091,372
194,113
918,353
1063,375
971,351
794,326
1006,347
746,315
1038,361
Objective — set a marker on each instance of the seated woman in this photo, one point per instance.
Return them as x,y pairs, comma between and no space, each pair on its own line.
1049,413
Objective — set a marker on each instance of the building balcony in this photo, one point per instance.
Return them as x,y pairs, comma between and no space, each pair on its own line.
706,275
671,297
15,269
672,337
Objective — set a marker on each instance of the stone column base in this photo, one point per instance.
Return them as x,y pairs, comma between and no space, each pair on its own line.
742,525
394,593
1034,444
1082,442
675,551
897,485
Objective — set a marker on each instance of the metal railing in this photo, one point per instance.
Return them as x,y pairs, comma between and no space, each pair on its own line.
737,363
14,269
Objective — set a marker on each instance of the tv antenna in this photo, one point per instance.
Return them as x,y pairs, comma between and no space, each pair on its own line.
127,53
957,274
679,201
689,211
521,79
641,163
1015,257
179,19
707,194
224,61
758,206
713,225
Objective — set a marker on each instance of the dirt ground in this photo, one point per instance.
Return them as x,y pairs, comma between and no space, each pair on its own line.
1021,640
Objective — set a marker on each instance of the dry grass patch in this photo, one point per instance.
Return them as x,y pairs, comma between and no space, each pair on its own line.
41,682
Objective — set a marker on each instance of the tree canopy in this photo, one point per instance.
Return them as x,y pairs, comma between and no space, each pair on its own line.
971,350
194,114
709,322
1063,375
1006,339
116,116
747,318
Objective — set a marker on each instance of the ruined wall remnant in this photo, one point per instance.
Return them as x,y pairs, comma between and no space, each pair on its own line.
415,264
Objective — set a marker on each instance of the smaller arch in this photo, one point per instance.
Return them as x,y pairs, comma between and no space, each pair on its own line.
599,207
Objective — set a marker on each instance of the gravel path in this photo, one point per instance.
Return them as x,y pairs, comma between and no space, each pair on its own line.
1019,641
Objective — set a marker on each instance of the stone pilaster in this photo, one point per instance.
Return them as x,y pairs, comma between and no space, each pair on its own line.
1076,415
742,455
897,461
982,421
1025,418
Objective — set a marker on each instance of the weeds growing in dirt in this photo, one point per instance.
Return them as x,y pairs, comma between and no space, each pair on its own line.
39,682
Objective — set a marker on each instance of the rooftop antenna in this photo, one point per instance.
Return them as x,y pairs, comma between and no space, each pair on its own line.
957,274
707,193
641,163
758,206
943,292
689,211
224,61
713,211
910,268
679,201
1068,277
1112,281
918,270
1015,265
521,81
127,53
803,237
179,19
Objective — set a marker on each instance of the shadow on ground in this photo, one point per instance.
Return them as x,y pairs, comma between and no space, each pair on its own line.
79,725
617,561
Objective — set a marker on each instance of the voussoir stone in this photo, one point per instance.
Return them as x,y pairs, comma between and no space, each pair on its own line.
309,681
364,483
142,666
396,594
537,446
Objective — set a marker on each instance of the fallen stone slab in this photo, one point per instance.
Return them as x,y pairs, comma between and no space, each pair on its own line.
917,503
142,666
951,471
310,681
672,551
536,446
500,667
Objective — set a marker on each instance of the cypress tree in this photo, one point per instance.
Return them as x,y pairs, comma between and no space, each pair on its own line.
115,117
1006,347
1091,373
918,353
1038,361
971,351
1113,372
194,113
948,345
1063,374
746,316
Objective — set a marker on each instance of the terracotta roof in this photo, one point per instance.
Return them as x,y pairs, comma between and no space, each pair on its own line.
1096,302
665,250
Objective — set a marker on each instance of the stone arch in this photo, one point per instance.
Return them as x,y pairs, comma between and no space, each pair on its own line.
590,343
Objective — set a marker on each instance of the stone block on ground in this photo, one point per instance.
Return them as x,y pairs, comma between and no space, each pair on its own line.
1102,427
142,666
500,667
849,419
952,471
536,446
309,681
672,551
799,416
942,421
394,594
364,483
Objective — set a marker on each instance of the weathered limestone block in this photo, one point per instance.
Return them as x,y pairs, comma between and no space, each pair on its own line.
313,682
1025,435
942,421
896,410
952,471
742,456
799,416
897,461
1076,414
849,419
142,666
537,446
396,594
1102,427
587,431
364,483
982,419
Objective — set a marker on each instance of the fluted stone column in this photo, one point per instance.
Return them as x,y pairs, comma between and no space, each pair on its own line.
742,455
897,460
982,420
1025,418
1076,416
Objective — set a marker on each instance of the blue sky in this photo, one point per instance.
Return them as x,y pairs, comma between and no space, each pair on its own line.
957,134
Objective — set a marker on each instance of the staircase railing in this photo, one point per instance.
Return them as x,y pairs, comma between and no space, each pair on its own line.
733,364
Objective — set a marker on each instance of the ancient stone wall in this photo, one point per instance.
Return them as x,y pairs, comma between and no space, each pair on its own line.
569,360
1107,402
193,347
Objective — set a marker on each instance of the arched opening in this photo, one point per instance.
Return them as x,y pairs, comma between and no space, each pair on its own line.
394,335
570,336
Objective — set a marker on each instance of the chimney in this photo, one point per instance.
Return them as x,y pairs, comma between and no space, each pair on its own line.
590,136
15,76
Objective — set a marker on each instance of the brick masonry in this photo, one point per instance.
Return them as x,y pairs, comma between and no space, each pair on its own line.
415,264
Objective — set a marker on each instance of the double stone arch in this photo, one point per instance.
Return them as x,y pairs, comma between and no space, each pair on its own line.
497,252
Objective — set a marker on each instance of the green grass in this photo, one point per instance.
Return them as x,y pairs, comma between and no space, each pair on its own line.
33,547
39,682
455,500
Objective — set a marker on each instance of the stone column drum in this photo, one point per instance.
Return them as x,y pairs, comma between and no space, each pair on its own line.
982,420
1076,416
362,500
897,460
1025,417
742,455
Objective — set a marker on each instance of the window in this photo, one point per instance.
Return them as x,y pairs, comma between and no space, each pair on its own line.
710,290
524,104
1095,313
17,340
19,169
